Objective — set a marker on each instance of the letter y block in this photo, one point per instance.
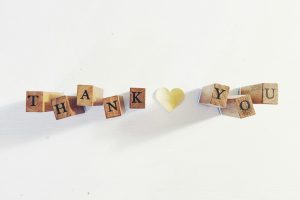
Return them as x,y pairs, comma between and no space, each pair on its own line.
214,95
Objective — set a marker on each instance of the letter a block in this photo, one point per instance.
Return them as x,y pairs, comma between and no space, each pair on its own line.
214,95
113,106
39,101
239,106
137,98
89,95
66,106
264,93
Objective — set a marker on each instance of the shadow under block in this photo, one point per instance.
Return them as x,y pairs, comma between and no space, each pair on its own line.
239,106
113,106
214,95
137,98
39,101
264,93
66,106
89,95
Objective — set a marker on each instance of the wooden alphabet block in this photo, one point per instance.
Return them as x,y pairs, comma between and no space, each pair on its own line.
214,95
137,98
113,106
66,106
239,106
264,93
89,95
39,101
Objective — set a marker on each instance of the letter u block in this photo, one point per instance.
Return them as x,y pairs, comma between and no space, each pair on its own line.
40,101
66,106
214,95
263,93
239,106
89,95
113,106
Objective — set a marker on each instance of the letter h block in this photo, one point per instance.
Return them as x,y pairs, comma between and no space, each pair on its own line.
113,106
66,106
239,106
214,95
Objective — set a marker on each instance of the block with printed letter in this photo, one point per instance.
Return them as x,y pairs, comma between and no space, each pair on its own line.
239,106
40,101
263,93
66,106
113,106
214,95
89,95
137,98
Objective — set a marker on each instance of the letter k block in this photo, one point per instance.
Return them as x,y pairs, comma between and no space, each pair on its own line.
66,106
137,98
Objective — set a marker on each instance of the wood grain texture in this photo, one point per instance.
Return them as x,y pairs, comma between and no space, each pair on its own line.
89,95
137,98
40,101
263,93
214,95
239,106
66,106
113,106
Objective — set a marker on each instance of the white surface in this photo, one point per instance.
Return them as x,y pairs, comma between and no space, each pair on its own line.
149,155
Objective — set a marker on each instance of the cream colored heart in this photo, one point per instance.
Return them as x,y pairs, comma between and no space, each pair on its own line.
169,99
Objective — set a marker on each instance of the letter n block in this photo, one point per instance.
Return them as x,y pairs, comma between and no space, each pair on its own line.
214,95
239,106
113,106
263,93
66,106
39,101
89,95
137,98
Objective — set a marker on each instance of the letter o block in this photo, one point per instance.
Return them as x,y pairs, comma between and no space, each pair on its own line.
66,106
239,106
214,95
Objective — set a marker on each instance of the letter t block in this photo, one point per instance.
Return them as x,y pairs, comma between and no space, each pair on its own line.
214,95
66,106
39,101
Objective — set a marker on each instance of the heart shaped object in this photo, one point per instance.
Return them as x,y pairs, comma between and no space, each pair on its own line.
169,99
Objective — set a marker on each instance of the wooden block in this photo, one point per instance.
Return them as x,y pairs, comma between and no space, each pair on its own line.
137,98
39,101
113,106
89,95
239,106
66,106
263,93
214,95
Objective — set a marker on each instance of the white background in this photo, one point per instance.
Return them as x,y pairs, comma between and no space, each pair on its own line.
149,154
